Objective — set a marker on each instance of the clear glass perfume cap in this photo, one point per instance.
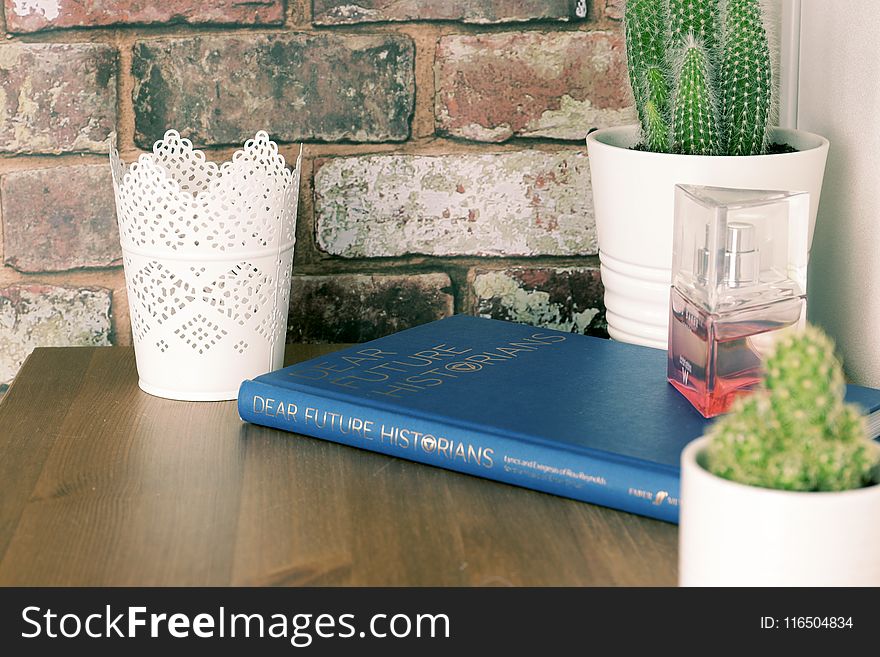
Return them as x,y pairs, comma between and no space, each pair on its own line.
737,247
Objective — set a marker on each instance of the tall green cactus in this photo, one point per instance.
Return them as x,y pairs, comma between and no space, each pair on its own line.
646,37
695,122
795,432
700,73
745,78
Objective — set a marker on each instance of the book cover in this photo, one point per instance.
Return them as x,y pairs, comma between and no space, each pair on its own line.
567,414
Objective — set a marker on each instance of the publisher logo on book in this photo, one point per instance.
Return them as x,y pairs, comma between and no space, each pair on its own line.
657,498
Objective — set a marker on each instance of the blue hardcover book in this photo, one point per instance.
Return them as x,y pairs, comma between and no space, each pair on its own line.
581,417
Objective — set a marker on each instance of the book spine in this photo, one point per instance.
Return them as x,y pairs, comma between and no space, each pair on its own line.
599,479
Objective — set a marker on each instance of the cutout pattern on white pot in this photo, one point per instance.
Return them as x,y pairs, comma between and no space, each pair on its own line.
207,251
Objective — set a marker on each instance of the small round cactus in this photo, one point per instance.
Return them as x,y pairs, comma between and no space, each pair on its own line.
796,432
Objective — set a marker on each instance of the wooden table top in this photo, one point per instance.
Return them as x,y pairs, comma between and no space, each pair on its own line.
102,484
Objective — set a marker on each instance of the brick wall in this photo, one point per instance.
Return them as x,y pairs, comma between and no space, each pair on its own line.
444,166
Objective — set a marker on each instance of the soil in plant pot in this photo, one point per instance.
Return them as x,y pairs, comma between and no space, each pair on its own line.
777,149
772,149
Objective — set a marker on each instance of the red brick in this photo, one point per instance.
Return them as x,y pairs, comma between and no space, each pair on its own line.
59,218
56,98
49,316
326,87
491,87
338,12
562,298
612,9
359,307
36,15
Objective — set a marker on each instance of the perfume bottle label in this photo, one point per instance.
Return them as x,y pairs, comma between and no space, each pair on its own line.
693,320
686,369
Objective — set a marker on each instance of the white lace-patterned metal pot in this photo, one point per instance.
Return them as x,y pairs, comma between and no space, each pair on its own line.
207,251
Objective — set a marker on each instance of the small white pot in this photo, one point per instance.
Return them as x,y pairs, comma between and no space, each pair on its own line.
731,534
633,197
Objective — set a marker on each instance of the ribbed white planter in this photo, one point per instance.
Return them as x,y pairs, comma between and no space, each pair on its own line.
634,200
731,534
207,251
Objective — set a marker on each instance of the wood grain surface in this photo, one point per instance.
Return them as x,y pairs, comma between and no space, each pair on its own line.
102,484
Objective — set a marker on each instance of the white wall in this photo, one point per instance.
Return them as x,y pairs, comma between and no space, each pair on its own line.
839,97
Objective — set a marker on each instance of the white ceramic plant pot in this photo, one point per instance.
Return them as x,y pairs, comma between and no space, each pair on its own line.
633,197
731,534
207,252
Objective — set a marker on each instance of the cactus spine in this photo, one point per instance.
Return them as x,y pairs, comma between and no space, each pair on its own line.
700,73
796,432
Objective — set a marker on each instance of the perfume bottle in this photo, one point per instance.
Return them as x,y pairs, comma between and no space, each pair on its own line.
739,280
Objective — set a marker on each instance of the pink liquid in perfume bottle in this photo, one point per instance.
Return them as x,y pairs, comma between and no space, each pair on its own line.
713,358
